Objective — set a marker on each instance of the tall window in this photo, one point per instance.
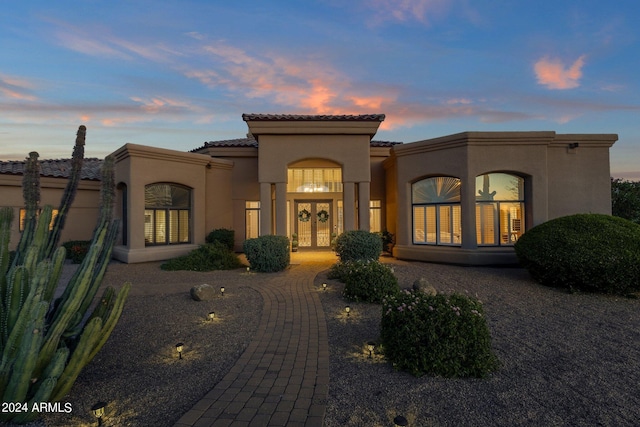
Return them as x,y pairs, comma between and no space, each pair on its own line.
436,211
252,220
23,217
375,216
167,213
499,209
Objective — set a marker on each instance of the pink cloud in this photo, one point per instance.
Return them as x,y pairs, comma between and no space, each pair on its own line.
553,74
16,88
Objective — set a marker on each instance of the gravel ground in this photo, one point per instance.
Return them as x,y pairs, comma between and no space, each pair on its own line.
566,359
138,371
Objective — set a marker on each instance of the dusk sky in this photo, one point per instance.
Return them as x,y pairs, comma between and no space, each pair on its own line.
175,74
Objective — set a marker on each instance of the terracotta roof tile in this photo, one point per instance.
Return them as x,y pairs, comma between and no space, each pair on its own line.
59,168
251,142
305,117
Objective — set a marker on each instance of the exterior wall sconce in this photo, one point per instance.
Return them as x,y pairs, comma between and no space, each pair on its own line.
98,411
370,346
179,349
222,290
347,310
211,315
400,421
324,286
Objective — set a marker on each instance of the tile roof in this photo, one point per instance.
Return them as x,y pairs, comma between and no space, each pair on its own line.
238,142
59,168
252,143
305,117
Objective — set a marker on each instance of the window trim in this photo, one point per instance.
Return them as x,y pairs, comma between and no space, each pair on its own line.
166,210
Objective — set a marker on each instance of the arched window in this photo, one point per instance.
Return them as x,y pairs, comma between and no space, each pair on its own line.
436,211
499,209
167,213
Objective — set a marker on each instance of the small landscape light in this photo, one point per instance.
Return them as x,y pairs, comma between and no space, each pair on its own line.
324,286
212,315
347,309
400,421
371,345
222,290
248,269
98,411
179,349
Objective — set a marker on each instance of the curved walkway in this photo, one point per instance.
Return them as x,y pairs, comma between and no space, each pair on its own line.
282,378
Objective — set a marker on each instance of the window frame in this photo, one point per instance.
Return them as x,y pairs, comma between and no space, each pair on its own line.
497,223
166,211
436,207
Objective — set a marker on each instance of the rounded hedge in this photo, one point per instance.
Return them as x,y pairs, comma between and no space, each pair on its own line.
367,281
267,254
223,235
440,334
584,252
358,244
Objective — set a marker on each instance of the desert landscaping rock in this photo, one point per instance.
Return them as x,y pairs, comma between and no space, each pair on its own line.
202,292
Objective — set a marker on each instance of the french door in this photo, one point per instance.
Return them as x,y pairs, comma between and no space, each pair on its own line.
313,223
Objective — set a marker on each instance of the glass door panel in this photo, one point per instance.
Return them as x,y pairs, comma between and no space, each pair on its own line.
323,224
313,224
303,212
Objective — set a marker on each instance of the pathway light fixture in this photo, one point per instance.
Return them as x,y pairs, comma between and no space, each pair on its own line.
222,290
98,411
212,315
324,286
179,349
347,309
370,346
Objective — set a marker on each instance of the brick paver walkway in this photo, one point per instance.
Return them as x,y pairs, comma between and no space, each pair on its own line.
282,378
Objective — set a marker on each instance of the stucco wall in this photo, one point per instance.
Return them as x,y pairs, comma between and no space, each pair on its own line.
82,216
208,179
559,181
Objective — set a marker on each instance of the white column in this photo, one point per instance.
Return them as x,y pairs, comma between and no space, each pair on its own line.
363,206
265,208
349,202
281,208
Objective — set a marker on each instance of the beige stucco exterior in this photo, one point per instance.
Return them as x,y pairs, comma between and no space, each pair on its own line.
560,178
210,183
81,219
562,175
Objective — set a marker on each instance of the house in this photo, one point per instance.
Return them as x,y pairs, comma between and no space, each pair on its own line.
463,198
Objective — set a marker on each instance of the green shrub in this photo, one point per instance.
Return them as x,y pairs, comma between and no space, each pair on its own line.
77,250
358,244
387,240
585,252
440,334
368,281
222,235
212,256
267,254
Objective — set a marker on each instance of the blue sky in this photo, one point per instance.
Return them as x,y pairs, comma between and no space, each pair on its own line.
175,74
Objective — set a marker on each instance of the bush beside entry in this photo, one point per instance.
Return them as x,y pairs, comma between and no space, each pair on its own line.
367,281
268,253
358,244
222,235
585,252
209,257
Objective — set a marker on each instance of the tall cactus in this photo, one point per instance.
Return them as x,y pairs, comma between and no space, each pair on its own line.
45,343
